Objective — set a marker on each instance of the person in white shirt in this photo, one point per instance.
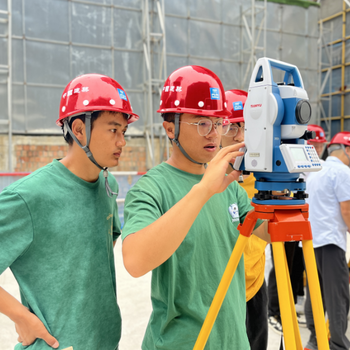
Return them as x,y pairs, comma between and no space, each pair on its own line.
329,215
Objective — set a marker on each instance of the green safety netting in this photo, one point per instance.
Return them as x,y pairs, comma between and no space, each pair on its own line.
301,3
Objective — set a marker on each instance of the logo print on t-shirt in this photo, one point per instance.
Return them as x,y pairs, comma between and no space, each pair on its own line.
233,210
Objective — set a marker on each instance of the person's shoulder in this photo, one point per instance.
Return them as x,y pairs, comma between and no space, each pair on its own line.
9,194
156,175
344,171
33,180
159,170
154,183
334,164
15,197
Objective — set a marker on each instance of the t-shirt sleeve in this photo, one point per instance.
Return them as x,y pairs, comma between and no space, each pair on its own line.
341,186
245,206
16,228
140,210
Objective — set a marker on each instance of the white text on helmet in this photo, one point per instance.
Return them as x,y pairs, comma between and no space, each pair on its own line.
76,91
172,88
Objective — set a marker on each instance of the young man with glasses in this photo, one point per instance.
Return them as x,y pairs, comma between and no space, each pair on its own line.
254,252
181,220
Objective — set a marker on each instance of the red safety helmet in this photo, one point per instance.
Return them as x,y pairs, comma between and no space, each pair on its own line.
342,138
235,104
320,134
94,92
196,90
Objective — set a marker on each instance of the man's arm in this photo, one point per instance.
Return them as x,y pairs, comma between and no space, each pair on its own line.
148,248
262,232
28,326
16,235
345,212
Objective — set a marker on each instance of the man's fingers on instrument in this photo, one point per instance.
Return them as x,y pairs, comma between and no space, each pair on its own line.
230,157
235,147
229,149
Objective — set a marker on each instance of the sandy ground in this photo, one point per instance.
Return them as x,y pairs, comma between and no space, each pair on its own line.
134,302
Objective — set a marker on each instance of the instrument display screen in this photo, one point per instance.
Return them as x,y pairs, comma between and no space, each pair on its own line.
298,153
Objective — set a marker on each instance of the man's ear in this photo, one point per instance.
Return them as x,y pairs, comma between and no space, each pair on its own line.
169,129
78,129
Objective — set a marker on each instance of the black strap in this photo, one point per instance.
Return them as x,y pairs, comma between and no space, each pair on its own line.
109,191
175,139
87,151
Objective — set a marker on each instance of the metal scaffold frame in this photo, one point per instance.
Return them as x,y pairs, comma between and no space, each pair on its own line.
343,90
151,50
325,67
249,47
155,73
7,69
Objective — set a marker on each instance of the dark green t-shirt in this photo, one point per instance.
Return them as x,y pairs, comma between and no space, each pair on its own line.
56,235
183,287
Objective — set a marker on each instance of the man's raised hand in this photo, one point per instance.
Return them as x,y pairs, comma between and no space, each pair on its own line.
215,179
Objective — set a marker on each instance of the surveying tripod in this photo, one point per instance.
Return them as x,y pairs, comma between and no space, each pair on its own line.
286,223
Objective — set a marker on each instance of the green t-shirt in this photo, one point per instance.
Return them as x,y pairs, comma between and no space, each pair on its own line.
56,235
183,287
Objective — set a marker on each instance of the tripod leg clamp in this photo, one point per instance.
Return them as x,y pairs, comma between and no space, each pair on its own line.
248,225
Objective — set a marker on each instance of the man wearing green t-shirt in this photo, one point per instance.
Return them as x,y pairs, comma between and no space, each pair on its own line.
58,225
181,220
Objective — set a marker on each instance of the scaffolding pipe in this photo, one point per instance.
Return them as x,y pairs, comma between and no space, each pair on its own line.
147,52
342,97
253,37
322,115
24,68
9,84
155,76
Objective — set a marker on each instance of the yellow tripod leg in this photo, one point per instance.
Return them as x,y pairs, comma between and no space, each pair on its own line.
315,295
221,293
296,331
285,302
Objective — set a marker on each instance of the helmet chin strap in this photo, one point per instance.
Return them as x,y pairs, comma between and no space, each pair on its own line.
176,140
87,151
336,147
